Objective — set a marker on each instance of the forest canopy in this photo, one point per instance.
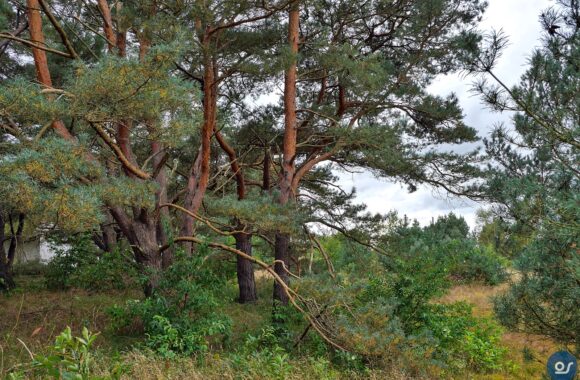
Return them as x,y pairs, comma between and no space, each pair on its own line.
184,151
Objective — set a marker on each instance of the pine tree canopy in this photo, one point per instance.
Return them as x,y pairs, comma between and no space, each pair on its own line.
165,125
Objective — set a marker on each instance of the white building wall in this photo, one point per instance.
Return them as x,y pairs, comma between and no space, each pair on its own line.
36,249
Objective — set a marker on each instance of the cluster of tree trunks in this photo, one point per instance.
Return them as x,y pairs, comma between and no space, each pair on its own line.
309,136
141,227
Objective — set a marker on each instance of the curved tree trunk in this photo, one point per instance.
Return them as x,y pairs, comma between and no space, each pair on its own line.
141,232
143,238
199,174
106,237
143,229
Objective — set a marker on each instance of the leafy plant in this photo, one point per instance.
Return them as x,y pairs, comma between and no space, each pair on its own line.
82,265
69,358
263,355
381,310
464,341
182,316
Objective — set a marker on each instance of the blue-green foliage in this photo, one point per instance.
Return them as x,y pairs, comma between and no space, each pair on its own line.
116,89
546,299
182,316
42,181
261,211
534,180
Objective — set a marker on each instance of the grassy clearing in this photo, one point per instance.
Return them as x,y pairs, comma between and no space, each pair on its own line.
33,316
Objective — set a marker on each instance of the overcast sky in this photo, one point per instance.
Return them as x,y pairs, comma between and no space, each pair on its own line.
519,19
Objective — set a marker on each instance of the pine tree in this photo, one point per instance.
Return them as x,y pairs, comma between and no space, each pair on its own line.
359,97
133,103
533,177
114,109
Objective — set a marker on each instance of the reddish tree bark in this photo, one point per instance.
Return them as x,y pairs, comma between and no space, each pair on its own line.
40,60
281,250
199,173
108,24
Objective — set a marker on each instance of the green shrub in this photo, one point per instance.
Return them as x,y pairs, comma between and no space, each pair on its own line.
82,265
464,341
110,271
30,268
446,244
182,316
68,260
470,263
263,355
380,309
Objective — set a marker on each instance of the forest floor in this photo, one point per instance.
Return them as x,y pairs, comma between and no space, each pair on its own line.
32,316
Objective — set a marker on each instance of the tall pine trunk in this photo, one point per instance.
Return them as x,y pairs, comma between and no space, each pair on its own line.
199,174
281,250
245,268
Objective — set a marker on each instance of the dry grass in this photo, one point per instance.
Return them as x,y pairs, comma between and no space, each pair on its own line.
34,317
214,367
475,294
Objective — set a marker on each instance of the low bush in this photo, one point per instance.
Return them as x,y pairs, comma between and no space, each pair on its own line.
182,316
82,265
262,355
447,244
30,268
464,341
468,262
381,311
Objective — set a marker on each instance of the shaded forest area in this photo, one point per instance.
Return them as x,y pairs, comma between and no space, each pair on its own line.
182,156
